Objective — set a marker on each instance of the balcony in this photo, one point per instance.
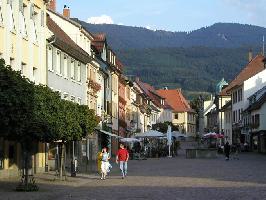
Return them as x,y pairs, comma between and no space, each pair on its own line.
96,87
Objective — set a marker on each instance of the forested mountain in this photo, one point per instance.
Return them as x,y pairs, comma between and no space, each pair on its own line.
228,35
194,61
193,68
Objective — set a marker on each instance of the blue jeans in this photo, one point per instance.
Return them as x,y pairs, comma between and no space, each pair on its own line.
123,168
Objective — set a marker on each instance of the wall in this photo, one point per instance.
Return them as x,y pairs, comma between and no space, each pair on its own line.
66,86
253,84
17,47
73,30
228,125
24,52
221,117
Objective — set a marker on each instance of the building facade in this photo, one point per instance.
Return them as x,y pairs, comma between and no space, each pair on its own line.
23,47
183,116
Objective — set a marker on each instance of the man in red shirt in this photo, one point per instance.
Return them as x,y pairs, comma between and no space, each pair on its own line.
122,157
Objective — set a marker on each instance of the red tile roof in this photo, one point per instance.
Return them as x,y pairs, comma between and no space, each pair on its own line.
152,94
176,100
119,64
99,41
255,66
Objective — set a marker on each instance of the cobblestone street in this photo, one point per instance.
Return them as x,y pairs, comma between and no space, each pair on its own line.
166,178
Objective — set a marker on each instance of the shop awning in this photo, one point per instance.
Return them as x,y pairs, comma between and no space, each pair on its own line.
110,134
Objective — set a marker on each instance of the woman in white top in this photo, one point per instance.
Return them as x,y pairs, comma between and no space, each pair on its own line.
105,165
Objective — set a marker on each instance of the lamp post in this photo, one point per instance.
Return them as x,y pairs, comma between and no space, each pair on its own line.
201,115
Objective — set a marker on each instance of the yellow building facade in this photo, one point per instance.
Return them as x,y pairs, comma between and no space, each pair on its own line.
23,47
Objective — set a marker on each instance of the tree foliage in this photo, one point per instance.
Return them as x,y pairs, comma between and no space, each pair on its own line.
163,127
38,113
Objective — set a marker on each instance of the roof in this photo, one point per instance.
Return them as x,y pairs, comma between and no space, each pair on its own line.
152,94
119,64
62,41
255,66
227,106
73,21
99,40
176,100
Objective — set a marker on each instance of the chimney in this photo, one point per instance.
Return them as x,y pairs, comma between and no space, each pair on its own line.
264,62
66,12
250,56
52,5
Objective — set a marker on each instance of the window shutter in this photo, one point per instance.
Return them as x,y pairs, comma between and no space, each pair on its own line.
8,1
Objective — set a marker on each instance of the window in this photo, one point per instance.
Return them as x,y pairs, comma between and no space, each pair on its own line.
72,69
65,66
42,19
78,72
65,96
34,74
241,94
23,68
11,16
257,120
50,58
22,19
1,15
34,20
176,115
58,62
79,101
72,98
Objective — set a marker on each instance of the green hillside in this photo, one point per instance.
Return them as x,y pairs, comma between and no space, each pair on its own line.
193,69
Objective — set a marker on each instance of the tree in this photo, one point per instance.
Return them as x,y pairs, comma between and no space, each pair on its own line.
163,127
34,113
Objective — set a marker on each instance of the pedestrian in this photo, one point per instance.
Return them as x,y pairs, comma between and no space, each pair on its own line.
105,165
122,158
227,150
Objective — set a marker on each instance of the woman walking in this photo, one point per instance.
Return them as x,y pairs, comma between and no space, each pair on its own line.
105,165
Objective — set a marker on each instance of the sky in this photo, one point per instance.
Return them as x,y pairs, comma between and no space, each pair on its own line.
171,15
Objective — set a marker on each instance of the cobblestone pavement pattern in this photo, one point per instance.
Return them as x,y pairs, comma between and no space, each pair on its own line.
165,178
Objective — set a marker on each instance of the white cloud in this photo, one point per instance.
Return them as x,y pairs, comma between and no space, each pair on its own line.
152,28
103,19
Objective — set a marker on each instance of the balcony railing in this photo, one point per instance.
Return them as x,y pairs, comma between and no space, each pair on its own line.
96,87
